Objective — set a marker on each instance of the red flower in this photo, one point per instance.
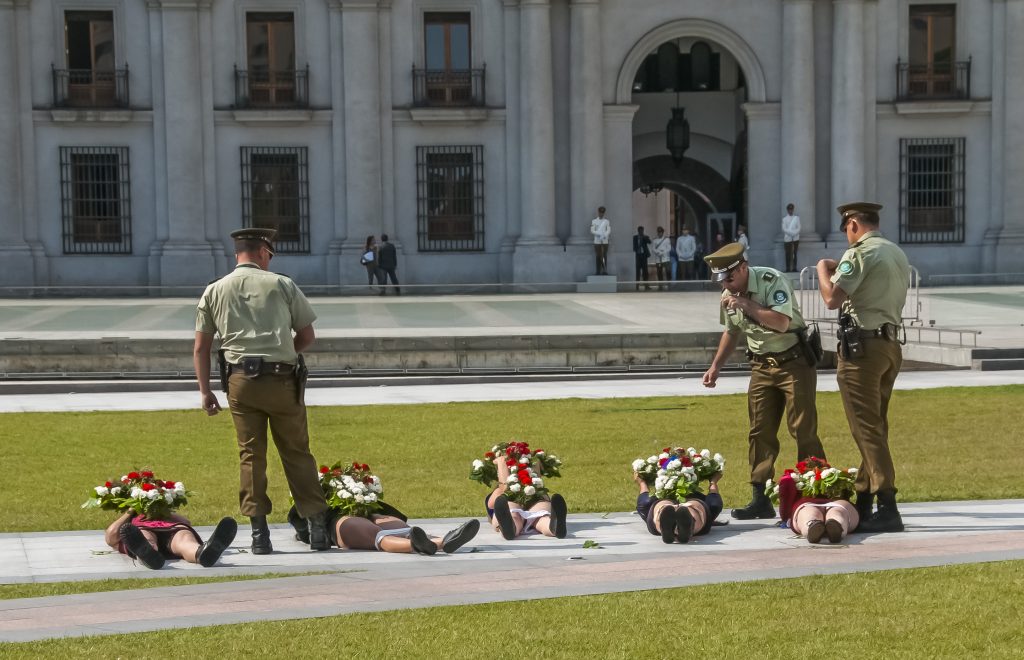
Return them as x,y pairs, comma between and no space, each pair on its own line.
147,473
109,485
366,467
685,460
510,463
148,486
489,454
817,473
666,450
169,484
324,469
801,467
133,475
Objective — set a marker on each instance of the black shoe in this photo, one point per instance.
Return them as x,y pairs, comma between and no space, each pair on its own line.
138,547
318,539
260,536
815,530
886,519
300,526
684,524
759,507
558,513
460,536
222,536
834,531
667,522
864,503
504,517
421,543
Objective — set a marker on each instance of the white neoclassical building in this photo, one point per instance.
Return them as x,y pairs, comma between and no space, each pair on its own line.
482,135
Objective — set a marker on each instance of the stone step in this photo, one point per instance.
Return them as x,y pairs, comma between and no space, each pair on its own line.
997,353
598,284
998,364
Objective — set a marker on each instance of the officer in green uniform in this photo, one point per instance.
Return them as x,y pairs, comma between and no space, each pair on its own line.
255,312
870,285
758,304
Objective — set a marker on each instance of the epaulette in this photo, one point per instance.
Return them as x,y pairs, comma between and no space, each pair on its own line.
768,276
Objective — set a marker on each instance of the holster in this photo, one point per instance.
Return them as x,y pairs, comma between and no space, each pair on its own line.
225,371
849,346
301,376
810,344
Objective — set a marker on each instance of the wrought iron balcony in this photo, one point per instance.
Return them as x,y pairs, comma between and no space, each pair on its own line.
272,89
448,88
933,82
88,88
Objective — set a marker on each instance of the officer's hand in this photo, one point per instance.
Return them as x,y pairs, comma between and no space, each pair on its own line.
715,477
711,377
210,404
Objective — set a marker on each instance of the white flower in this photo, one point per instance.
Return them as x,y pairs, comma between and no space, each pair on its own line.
524,461
169,497
370,497
153,494
719,459
344,494
691,451
529,491
829,472
674,464
334,483
637,464
360,499
663,455
512,479
116,490
136,492
477,464
515,488
179,487
102,490
705,453
537,482
124,478
653,460
768,484
852,471
539,452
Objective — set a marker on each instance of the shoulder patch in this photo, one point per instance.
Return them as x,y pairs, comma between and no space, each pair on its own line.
780,297
845,267
768,276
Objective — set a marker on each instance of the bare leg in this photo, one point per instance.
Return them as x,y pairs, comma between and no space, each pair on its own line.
184,545
658,506
698,513
845,514
543,525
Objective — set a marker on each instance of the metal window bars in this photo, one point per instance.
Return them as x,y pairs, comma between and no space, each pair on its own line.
450,198
449,87
933,81
275,194
90,88
264,89
95,186
932,195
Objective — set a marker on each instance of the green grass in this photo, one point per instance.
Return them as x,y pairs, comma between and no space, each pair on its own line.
40,589
969,611
422,452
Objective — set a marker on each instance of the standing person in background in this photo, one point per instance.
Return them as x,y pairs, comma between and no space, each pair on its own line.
870,285
641,253
601,228
741,238
255,313
370,260
686,249
758,306
388,264
791,236
660,249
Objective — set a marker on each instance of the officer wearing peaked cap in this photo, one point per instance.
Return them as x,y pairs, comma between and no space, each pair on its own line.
870,285
758,305
264,322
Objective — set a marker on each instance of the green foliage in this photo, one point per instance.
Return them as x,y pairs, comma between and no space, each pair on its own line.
965,611
597,438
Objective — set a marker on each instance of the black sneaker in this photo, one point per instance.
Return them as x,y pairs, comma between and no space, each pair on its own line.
460,536
815,530
834,531
504,517
684,524
139,548
421,543
667,522
222,536
559,511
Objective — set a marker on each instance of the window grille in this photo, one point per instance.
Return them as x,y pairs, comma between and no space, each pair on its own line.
275,194
932,190
95,200
450,198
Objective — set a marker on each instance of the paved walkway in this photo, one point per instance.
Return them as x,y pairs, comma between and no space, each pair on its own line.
629,559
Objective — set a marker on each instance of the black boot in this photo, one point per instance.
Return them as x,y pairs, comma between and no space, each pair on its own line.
209,552
318,539
759,507
865,502
887,518
260,536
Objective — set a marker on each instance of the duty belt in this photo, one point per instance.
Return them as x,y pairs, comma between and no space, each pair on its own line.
266,368
775,359
885,331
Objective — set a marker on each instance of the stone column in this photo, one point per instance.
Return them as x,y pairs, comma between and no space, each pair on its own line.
185,257
15,253
764,143
618,193
848,125
797,166
536,259
513,191
1010,246
362,107
586,116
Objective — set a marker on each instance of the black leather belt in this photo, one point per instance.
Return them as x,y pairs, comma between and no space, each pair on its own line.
886,331
266,368
775,359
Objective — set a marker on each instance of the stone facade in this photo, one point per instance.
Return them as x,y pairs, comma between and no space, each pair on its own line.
807,111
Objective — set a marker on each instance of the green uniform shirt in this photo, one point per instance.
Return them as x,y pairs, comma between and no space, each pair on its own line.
875,275
254,311
769,288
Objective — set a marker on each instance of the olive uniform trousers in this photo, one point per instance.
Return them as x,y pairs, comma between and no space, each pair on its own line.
865,385
788,388
273,398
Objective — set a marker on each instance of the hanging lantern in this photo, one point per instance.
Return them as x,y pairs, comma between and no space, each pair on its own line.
677,135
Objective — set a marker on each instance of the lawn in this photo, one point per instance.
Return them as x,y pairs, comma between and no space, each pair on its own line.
423,452
968,611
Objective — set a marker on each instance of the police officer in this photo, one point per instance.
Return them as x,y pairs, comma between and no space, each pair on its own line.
255,312
870,285
758,304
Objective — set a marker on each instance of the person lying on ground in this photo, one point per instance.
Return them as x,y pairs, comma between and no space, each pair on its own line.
153,541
